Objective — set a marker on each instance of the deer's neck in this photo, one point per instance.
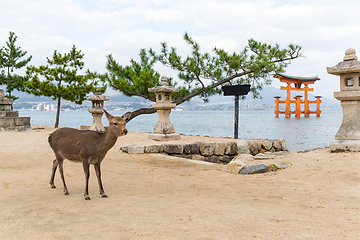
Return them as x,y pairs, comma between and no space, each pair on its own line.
108,140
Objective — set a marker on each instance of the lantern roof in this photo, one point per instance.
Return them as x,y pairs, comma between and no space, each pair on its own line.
349,65
98,96
163,86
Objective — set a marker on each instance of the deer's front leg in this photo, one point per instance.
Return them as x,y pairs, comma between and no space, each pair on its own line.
87,176
98,174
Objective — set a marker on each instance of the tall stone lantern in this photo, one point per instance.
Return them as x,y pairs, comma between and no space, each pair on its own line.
97,110
163,129
348,136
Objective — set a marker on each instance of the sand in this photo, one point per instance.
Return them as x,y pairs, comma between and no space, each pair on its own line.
157,197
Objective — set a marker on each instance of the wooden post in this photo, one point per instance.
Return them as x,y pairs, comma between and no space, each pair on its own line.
297,106
277,100
306,102
288,101
236,127
318,101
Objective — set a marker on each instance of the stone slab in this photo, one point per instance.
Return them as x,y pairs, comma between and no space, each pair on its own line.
16,129
238,163
242,147
164,137
14,121
207,149
6,101
154,149
9,114
219,148
136,149
191,148
173,149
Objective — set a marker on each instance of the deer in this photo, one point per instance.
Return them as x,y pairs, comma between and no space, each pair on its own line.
86,147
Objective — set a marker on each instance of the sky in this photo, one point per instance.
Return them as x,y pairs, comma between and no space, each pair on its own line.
324,28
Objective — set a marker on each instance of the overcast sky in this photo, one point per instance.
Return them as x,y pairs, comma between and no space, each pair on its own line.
324,28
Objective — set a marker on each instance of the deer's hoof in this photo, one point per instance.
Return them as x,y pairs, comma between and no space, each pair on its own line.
87,198
66,193
104,196
53,186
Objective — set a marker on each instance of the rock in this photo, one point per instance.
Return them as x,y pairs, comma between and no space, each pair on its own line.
173,149
198,157
231,148
242,147
213,159
238,163
276,144
191,148
219,148
254,146
154,149
207,149
136,149
278,166
253,169
283,165
124,149
266,144
225,159
283,145
263,156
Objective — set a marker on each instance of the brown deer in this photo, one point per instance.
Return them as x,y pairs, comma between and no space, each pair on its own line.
87,147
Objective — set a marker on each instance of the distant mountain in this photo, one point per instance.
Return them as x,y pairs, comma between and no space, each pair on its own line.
122,98
268,93
25,97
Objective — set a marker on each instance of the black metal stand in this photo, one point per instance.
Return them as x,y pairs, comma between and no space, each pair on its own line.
236,90
236,120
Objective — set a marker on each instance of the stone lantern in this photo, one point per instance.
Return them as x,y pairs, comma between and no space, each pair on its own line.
163,129
348,136
97,110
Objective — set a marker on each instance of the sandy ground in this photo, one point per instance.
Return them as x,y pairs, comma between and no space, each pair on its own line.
158,197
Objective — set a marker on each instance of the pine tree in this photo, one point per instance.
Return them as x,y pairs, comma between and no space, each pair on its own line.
201,74
11,58
60,79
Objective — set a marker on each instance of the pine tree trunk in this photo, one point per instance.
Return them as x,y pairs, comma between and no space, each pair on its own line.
58,113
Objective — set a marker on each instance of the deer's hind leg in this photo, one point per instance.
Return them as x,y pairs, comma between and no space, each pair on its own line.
60,163
55,164
86,167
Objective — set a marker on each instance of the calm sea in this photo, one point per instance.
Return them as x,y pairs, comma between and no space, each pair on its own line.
299,133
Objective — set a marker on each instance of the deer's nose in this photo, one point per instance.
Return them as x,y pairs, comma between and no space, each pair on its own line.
125,131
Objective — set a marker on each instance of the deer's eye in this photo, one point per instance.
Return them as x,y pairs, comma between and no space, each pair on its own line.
115,123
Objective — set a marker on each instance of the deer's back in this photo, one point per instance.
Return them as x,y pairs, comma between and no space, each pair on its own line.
75,144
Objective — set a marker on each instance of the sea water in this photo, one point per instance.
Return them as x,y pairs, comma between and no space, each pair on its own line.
299,133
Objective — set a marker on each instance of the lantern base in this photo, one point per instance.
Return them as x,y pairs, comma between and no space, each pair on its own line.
345,146
164,137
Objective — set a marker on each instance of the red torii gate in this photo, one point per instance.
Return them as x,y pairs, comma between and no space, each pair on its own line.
298,82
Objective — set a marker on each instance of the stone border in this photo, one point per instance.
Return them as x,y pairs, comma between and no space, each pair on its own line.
216,152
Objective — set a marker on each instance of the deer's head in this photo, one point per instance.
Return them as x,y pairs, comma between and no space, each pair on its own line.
117,124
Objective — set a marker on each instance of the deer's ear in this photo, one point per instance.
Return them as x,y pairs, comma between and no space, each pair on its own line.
126,116
108,115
